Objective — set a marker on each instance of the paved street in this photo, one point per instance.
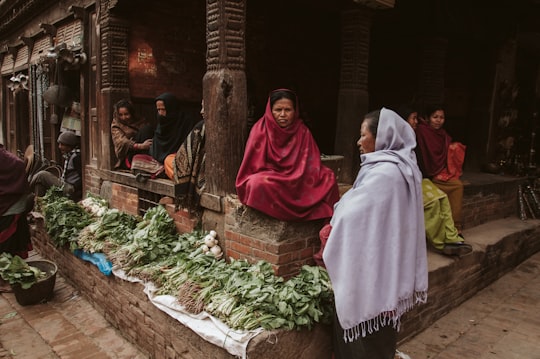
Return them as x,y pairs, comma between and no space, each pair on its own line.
501,322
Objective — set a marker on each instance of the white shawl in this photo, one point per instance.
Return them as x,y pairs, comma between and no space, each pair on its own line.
376,253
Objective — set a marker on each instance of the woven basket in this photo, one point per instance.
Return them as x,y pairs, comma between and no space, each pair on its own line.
42,290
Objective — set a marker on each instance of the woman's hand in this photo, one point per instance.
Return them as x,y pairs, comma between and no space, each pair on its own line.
145,145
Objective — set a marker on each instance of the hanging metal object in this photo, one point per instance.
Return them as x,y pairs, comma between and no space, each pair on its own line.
58,95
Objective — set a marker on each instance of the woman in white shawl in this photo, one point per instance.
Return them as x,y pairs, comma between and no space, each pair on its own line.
376,251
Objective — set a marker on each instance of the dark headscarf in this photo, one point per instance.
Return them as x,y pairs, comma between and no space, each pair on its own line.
13,182
172,129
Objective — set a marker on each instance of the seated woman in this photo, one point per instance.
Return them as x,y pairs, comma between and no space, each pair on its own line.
441,232
281,173
173,126
186,167
130,134
15,202
441,160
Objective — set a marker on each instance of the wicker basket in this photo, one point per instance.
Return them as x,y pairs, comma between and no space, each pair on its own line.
42,290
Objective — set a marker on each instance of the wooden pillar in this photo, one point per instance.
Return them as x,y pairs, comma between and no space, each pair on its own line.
225,94
112,76
353,97
431,82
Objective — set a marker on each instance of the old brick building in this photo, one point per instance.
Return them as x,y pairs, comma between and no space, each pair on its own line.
343,58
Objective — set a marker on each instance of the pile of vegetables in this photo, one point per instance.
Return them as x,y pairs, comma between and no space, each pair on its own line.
14,270
190,267
65,218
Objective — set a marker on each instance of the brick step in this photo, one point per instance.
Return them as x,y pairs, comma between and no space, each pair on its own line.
498,247
488,197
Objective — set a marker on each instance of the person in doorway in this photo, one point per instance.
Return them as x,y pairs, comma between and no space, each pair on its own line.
173,126
441,232
281,173
15,202
130,134
441,160
376,251
186,167
70,179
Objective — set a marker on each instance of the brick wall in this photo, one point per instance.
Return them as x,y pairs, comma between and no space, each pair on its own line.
92,181
125,198
185,222
252,235
126,307
486,202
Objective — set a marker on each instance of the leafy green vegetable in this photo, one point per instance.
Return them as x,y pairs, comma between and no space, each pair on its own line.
243,295
15,270
64,218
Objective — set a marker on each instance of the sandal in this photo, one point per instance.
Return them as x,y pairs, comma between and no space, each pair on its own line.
457,249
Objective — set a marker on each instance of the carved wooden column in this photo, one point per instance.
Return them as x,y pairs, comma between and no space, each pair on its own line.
112,74
225,97
433,69
353,97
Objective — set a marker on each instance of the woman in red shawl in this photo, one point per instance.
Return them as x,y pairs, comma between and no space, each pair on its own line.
14,203
441,160
281,173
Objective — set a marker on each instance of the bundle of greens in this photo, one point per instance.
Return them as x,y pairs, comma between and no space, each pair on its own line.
245,296
152,239
111,230
14,270
64,218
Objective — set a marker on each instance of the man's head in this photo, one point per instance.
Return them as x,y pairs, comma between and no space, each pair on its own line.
67,141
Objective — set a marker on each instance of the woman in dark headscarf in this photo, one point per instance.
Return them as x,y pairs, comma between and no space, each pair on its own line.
14,196
172,128
281,173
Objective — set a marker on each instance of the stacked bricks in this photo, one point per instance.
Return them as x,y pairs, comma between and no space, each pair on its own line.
184,220
487,202
92,181
124,198
252,235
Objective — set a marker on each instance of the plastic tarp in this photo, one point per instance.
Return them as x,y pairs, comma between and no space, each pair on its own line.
205,325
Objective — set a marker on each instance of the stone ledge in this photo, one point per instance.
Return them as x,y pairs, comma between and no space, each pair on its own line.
161,186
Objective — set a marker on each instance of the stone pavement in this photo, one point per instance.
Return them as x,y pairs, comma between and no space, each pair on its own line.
500,322
65,327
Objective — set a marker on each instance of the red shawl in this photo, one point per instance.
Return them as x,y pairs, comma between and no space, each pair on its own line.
433,148
13,182
282,175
